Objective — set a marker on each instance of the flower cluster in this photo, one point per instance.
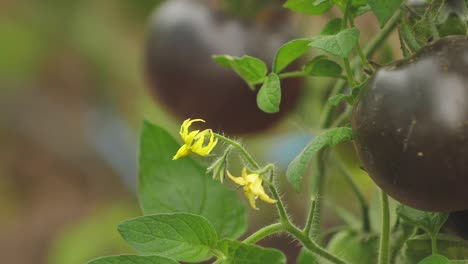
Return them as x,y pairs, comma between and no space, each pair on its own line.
194,141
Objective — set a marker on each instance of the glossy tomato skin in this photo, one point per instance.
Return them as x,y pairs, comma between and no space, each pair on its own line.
183,36
411,127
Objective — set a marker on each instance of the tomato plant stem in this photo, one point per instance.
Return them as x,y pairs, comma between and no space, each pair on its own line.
359,195
312,246
238,146
264,232
434,244
284,219
384,246
311,215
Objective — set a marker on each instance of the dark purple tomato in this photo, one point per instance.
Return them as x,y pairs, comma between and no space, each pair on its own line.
411,127
182,37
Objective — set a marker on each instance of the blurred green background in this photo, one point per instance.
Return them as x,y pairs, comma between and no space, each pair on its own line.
73,94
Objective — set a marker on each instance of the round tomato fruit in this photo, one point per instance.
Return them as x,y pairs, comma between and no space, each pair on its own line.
183,35
411,127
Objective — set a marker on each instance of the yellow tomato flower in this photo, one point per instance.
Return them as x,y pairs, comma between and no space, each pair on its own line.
194,140
253,187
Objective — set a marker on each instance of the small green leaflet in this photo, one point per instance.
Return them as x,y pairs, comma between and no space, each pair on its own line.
236,252
384,9
269,95
310,7
435,259
168,186
132,259
322,66
330,138
249,68
289,52
339,44
419,247
332,27
428,221
180,236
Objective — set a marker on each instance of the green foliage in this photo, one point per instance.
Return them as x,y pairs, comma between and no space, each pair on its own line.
307,257
333,27
419,247
355,247
249,68
132,259
167,186
235,252
428,221
289,52
384,10
330,138
310,7
269,95
180,236
339,44
435,259
322,66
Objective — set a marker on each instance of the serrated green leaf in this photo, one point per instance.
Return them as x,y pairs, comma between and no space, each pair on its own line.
269,95
249,68
330,138
322,66
431,222
340,44
419,247
333,27
168,186
289,52
236,252
132,259
310,7
180,236
435,259
384,10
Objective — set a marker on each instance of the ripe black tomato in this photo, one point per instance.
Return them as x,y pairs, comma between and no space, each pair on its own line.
411,127
182,37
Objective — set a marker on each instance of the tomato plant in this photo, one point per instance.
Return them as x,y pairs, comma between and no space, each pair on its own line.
408,121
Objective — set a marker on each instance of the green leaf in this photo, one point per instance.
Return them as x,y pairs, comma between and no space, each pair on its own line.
435,259
236,252
339,44
330,138
249,68
384,10
355,247
289,52
332,27
269,95
168,186
322,66
337,99
180,236
428,221
307,257
419,247
132,259
310,7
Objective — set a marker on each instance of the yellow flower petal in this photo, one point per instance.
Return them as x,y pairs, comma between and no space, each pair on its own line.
252,199
239,180
182,152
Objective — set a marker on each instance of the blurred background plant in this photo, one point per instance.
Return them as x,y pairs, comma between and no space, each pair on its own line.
73,93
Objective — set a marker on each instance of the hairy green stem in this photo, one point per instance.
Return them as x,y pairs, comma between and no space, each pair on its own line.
384,246
349,73
310,217
284,219
264,232
359,195
318,182
312,246
408,37
239,147
434,244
